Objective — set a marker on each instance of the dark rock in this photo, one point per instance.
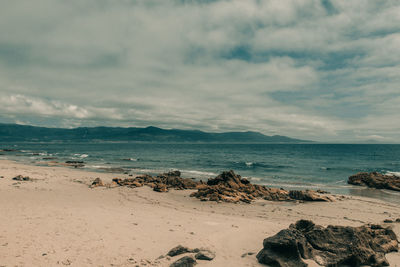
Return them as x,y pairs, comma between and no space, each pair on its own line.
186,261
388,221
178,250
375,180
97,182
1,177
398,220
174,173
74,162
330,246
160,188
21,178
49,158
206,255
9,150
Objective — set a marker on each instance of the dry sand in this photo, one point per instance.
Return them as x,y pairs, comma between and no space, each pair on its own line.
58,220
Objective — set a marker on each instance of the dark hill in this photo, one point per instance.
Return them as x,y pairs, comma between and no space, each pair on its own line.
15,132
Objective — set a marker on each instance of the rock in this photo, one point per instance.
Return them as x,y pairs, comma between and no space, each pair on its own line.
178,250
229,187
97,182
375,180
160,188
398,220
9,150
74,163
308,195
388,221
206,255
186,261
21,178
174,173
1,177
330,246
161,183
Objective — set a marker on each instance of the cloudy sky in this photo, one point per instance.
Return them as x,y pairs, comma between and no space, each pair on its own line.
315,69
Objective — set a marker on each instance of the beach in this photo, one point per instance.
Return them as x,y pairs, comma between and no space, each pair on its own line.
57,219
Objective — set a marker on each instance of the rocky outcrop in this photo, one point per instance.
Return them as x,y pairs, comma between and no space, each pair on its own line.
376,180
160,183
330,246
230,187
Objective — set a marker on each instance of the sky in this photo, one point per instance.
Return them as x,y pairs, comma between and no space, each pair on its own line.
313,69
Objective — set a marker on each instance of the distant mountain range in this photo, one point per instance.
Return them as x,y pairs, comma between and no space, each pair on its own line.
16,132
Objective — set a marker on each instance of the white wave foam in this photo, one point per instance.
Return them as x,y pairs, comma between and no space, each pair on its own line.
393,173
198,173
249,164
130,159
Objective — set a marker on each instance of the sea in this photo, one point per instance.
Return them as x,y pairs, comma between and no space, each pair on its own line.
288,166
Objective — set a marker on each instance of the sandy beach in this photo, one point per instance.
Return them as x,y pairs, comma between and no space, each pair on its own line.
56,219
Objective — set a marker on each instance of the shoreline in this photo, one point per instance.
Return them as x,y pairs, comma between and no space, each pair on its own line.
117,170
57,219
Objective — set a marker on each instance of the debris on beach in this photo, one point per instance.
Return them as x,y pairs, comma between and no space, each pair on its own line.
330,246
230,187
22,178
376,180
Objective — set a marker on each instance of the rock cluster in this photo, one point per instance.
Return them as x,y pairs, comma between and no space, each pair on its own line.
160,183
230,187
188,260
376,180
330,246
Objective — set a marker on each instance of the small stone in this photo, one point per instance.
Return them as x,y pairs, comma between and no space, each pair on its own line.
178,250
21,178
205,255
186,261
160,188
97,182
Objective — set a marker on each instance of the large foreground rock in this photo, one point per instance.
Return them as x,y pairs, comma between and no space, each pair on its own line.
230,187
376,180
330,246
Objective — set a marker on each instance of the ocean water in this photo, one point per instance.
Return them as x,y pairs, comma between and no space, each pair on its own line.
291,166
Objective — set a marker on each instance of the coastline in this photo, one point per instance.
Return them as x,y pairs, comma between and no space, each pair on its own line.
58,219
